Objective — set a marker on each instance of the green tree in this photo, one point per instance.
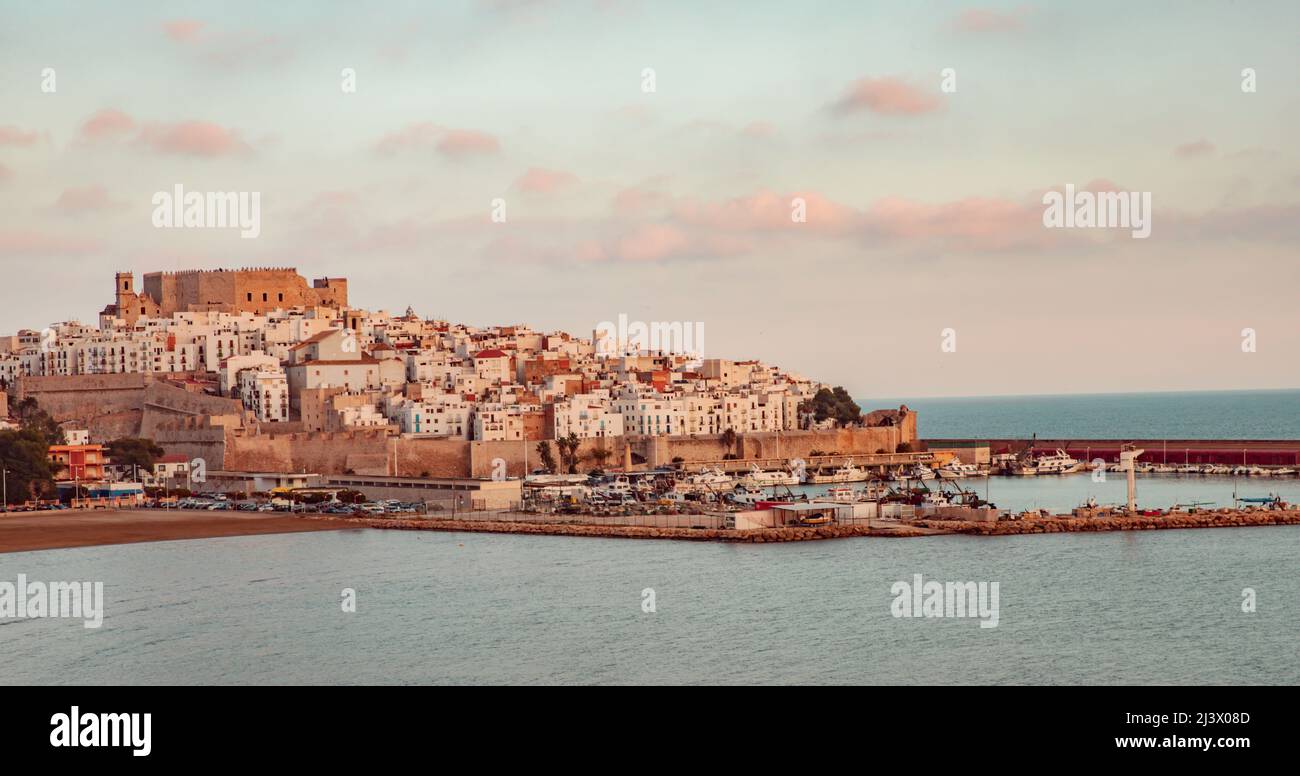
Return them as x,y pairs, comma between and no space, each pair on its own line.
569,452
32,418
28,471
728,438
132,451
548,458
834,404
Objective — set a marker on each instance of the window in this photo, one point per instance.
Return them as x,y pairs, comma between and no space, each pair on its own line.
250,296
279,297
263,296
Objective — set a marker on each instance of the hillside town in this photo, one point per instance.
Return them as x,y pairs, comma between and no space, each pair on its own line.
326,366
259,381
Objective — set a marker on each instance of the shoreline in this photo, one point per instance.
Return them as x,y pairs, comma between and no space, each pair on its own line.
35,531
31,532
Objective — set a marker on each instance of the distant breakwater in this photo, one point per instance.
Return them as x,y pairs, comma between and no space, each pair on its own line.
1217,519
1220,519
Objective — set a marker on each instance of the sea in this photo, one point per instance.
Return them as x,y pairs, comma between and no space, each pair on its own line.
1172,415
1202,606
1164,607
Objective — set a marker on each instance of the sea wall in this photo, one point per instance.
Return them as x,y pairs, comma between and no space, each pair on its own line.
374,451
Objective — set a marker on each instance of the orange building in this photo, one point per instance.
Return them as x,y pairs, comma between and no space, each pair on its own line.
78,462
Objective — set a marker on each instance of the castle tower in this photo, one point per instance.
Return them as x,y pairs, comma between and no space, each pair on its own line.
124,296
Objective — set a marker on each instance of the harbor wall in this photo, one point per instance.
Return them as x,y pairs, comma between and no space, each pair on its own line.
376,451
1229,452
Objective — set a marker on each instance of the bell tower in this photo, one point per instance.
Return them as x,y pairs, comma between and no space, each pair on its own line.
124,294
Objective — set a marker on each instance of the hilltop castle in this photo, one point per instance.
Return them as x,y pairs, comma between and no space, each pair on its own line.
255,290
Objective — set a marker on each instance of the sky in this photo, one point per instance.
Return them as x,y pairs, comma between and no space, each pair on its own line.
922,266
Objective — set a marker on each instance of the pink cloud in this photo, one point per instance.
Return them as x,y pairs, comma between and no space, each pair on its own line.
84,200
11,135
183,30
107,123
411,137
448,142
985,20
887,97
975,222
5,173
540,181
1195,148
192,138
652,242
465,142
768,211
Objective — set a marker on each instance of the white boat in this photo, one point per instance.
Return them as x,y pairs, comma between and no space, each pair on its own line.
839,495
1283,472
955,470
846,473
757,478
619,486
1190,468
936,499
1059,462
715,479
745,497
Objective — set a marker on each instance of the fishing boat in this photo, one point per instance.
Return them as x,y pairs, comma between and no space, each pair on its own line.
846,473
955,470
758,478
714,479
742,496
1059,462
839,495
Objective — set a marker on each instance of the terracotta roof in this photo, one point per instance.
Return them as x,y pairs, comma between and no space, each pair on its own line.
337,362
314,339
490,353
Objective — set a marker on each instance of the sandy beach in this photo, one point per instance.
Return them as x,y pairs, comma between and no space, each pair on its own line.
26,531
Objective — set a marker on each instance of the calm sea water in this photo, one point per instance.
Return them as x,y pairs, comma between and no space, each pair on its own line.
1201,415
1141,607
